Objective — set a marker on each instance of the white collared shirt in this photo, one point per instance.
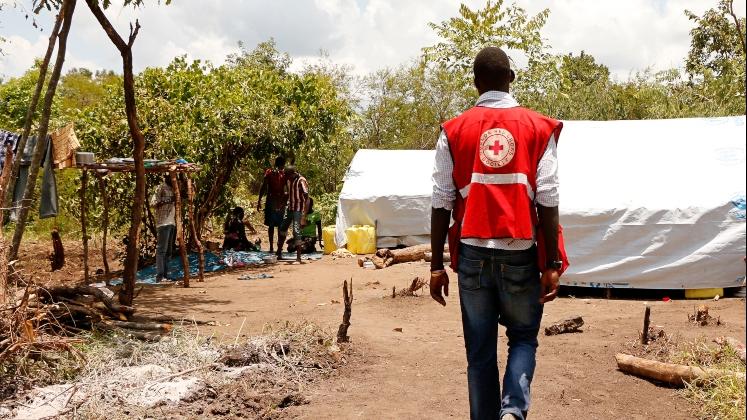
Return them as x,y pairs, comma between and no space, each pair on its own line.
444,190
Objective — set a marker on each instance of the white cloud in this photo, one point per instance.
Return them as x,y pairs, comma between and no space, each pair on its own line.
367,34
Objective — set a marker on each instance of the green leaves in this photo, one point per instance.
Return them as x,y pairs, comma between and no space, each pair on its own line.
495,25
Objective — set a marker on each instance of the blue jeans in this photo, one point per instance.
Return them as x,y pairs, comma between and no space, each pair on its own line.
292,220
497,286
164,245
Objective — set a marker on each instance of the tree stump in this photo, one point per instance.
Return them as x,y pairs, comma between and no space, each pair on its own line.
58,251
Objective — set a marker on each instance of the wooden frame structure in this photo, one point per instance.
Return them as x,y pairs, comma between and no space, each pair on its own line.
101,170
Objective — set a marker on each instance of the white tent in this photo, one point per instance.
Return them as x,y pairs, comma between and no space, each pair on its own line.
390,189
647,204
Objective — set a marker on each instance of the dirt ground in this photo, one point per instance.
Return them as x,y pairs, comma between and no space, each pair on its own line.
420,372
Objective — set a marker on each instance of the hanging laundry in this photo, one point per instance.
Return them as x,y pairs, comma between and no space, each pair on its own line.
7,137
65,144
48,199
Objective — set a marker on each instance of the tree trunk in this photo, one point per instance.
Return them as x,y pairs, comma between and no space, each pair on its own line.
7,197
222,174
68,7
138,150
739,27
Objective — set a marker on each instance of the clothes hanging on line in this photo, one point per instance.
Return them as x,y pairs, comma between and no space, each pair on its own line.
65,144
7,137
48,200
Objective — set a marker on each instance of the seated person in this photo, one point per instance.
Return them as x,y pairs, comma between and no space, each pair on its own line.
311,232
234,231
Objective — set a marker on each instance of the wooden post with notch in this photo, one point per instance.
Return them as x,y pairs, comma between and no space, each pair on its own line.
83,221
193,229
179,226
347,298
105,225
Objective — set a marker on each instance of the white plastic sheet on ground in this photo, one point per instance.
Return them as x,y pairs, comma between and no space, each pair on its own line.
656,204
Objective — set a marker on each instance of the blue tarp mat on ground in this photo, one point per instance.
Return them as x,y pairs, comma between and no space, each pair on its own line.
212,263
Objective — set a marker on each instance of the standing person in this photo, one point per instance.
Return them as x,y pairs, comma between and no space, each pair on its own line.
496,172
295,217
273,185
165,208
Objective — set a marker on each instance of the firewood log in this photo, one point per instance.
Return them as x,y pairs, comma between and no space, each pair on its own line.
669,373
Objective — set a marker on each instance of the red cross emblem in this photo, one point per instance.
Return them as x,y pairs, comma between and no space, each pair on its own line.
497,147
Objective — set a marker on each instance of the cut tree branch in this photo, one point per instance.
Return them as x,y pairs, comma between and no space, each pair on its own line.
127,294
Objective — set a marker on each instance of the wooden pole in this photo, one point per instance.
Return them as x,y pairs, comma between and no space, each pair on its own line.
179,227
4,181
646,322
193,229
7,196
83,223
68,6
105,225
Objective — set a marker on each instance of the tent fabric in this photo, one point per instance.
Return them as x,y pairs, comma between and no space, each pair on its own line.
653,204
389,189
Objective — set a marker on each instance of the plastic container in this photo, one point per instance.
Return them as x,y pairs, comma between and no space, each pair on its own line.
361,239
328,236
703,293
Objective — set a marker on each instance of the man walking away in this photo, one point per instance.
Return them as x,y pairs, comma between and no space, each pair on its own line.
164,203
295,217
273,185
496,172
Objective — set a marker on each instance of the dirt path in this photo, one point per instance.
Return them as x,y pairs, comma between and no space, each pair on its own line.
420,373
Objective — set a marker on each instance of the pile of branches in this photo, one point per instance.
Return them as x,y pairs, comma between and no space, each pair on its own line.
40,319
416,285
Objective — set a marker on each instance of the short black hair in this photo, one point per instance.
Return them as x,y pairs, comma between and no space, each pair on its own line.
238,212
492,68
279,161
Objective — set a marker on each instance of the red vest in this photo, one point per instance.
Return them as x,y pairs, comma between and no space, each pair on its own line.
496,152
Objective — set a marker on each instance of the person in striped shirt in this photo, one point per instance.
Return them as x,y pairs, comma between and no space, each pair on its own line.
297,189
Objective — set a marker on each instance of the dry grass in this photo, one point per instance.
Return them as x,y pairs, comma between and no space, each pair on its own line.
250,378
719,398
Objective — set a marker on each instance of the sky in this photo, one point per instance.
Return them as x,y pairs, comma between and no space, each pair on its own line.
364,34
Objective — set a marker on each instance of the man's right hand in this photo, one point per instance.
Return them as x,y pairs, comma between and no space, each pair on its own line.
550,283
439,281
259,205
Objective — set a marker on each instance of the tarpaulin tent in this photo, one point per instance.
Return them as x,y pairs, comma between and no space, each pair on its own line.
646,204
